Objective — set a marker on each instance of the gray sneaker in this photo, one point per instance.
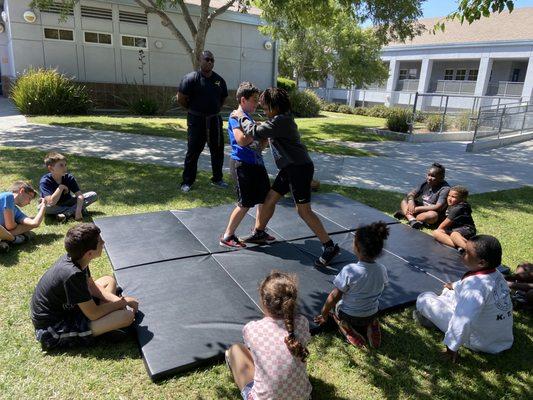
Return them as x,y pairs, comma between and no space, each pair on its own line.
220,184
185,188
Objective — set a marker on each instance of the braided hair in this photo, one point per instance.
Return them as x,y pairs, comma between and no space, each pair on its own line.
279,293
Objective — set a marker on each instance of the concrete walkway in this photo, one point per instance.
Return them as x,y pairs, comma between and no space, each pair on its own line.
9,115
399,167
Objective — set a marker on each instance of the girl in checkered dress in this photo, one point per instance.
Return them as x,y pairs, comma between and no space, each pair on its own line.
271,362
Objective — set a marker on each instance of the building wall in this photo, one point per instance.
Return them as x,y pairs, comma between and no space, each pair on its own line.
238,48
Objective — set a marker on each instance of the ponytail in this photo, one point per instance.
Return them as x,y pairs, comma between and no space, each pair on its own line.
279,292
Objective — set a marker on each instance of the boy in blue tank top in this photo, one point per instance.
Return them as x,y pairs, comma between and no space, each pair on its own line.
246,166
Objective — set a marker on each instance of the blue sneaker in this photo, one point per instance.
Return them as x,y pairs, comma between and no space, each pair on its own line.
220,184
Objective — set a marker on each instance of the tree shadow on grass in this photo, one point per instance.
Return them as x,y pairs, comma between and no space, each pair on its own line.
12,257
410,364
120,183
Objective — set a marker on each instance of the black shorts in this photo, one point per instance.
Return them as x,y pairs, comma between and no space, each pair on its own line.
466,231
71,332
296,179
251,183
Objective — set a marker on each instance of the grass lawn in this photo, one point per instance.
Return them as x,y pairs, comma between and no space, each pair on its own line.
407,366
323,134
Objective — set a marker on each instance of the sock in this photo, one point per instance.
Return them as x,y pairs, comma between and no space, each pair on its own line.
329,243
411,219
258,230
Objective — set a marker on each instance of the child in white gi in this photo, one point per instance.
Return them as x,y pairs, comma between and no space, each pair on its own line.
476,311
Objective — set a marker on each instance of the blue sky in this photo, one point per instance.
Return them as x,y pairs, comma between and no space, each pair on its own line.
439,8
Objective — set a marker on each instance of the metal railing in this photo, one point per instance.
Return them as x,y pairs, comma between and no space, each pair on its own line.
503,88
502,121
453,86
407,85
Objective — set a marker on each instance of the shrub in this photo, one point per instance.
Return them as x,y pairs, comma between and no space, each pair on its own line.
399,120
47,92
360,111
345,109
305,104
380,111
327,106
433,123
463,122
420,116
285,83
143,106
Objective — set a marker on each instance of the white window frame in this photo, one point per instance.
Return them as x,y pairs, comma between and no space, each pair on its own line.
98,44
449,75
134,47
59,39
465,76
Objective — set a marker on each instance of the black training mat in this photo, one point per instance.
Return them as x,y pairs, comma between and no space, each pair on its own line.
146,238
195,296
287,225
420,250
406,282
249,267
190,312
347,213
208,224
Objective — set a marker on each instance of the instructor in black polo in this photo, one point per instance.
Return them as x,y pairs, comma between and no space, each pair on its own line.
203,93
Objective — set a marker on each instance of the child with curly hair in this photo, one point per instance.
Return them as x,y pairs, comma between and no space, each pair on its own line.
358,287
271,362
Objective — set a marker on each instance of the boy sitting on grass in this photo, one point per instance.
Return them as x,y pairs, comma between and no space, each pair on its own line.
14,224
426,203
56,188
458,226
475,312
68,307
246,165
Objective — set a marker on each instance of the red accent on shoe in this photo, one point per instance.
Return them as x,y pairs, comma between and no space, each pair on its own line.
373,334
231,242
353,337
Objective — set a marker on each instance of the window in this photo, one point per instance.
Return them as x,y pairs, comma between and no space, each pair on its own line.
472,75
59,34
100,38
515,75
448,75
408,73
134,41
460,75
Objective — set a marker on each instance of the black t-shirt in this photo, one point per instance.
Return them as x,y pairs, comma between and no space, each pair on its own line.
461,215
205,94
58,293
429,196
285,143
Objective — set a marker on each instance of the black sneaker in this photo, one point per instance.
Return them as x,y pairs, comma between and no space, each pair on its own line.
423,321
327,255
116,335
231,242
4,247
416,224
398,215
258,237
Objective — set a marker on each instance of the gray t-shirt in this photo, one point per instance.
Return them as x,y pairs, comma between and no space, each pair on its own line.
361,284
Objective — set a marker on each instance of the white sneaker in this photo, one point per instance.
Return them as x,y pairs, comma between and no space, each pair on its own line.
185,188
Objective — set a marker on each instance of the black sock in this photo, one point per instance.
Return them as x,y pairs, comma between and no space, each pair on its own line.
259,230
329,243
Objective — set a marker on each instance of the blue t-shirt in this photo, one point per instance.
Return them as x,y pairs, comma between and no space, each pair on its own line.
48,186
7,202
250,154
361,284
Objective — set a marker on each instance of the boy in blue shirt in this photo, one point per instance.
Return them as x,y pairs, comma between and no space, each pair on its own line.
14,224
56,188
246,166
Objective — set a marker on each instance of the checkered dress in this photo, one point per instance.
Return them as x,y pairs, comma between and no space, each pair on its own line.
278,375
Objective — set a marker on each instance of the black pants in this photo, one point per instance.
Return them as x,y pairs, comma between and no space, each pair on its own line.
200,130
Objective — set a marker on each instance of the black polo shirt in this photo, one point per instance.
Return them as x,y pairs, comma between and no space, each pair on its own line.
205,94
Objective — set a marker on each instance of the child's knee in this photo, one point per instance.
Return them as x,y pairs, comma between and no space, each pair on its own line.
126,318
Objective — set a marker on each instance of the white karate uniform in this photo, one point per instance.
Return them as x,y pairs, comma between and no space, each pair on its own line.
478,313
